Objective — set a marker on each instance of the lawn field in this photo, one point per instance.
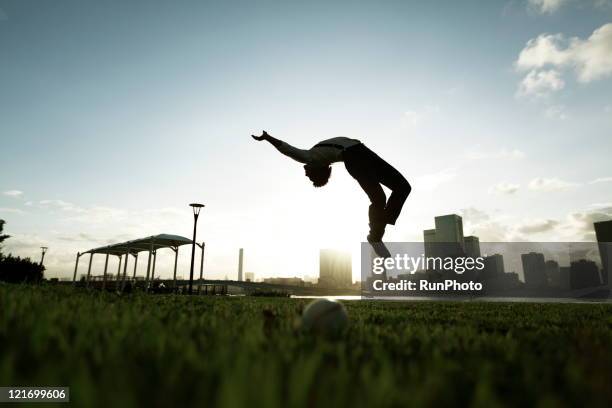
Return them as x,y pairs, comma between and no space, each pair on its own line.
168,350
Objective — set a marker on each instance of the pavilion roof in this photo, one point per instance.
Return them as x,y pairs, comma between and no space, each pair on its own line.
153,242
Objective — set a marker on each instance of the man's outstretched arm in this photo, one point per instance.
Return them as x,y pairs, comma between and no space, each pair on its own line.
302,156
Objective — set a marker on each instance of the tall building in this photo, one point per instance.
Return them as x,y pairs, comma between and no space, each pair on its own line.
240,259
446,240
449,228
472,246
493,266
553,273
429,238
335,268
534,269
564,277
603,231
584,274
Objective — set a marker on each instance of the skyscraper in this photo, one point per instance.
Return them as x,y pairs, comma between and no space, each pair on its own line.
429,238
449,228
446,240
472,246
584,274
240,259
493,266
335,268
534,269
564,277
603,231
553,273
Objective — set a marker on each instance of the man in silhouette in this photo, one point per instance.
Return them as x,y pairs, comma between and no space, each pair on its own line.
363,165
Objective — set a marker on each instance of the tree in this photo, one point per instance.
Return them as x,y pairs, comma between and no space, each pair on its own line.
16,269
2,236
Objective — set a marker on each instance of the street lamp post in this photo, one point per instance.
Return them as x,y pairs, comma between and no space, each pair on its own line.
196,212
42,258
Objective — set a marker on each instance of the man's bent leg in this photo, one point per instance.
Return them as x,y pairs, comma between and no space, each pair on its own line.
400,189
396,202
376,212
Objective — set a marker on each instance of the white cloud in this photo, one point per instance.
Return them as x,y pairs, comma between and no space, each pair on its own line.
556,112
537,226
552,6
13,193
542,51
57,205
11,210
578,225
505,188
487,227
545,6
476,153
575,226
550,184
417,117
601,180
590,59
432,181
540,83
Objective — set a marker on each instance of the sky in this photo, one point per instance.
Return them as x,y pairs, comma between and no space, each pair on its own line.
115,115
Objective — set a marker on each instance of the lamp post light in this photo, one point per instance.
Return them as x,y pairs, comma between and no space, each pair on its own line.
42,258
196,211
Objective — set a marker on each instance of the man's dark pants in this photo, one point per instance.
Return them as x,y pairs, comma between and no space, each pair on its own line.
371,171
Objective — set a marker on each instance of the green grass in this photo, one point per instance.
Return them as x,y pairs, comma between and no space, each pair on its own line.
139,350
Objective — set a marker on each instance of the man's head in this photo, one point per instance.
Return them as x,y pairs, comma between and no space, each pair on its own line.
319,175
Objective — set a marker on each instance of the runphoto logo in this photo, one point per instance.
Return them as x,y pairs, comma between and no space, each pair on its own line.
412,264
423,285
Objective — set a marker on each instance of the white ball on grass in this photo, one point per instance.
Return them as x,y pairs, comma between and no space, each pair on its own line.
324,316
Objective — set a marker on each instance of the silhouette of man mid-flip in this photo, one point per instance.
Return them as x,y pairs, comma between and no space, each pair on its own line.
363,165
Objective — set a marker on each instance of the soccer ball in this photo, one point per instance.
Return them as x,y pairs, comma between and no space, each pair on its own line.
325,316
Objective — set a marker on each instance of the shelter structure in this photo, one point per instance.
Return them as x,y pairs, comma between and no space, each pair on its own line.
123,250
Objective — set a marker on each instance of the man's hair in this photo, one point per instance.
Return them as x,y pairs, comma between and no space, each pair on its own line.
319,175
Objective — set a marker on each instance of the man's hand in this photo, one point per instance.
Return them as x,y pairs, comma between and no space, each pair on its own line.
263,136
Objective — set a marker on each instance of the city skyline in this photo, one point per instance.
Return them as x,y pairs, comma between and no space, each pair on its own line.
115,121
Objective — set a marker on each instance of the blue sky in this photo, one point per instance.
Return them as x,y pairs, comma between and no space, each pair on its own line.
115,115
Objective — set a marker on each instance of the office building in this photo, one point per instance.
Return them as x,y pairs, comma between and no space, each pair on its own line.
240,263
603,231
335,269
553,273
472,246
493,266
584,274
534,269
446,240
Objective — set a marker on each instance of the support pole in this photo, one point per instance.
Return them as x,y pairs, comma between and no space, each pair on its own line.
148,267
175,262
127,257
89,269
153,270
118,273
135,263
202,262
76,266
105,269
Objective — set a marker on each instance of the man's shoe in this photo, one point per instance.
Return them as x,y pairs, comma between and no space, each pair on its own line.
377,231
381,249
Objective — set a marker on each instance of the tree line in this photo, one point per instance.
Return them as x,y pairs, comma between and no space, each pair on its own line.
15,269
